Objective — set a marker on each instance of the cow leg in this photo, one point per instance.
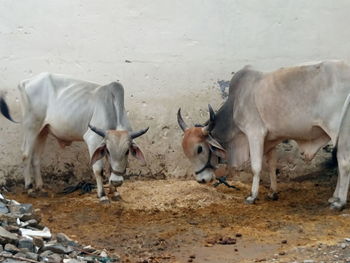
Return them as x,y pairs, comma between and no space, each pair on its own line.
28,172
38,149
98,172
335,196
97,169
28,151
115,194
272,163
341,191
256,148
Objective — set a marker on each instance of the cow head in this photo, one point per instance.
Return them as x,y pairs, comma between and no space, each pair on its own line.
201,148
116,146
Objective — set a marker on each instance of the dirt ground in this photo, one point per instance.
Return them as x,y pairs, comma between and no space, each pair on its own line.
183,221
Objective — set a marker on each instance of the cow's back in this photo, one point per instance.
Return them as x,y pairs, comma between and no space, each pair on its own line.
293,101
64,104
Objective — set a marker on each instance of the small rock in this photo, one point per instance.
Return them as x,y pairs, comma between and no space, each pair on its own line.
282,253
53,258
26,242
32,255
12,228
9,260
89,249
103,254
3,208
72,260
17,208
20,254
347,239
57,248
193,256
27,216
5,253
45,233
89,259
7,237
24,250
31,222
74,254
284,241
38,241
8,219
11,248
46,253
238,235
227,241
343,245
64,239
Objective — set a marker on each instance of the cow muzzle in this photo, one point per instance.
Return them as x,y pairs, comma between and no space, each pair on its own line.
205,177
116,180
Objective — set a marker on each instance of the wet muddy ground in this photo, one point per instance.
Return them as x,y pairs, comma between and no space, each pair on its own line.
183,221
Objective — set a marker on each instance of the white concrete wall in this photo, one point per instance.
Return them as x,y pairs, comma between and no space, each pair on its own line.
178,51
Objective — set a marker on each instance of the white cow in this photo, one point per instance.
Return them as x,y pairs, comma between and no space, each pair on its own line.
66,107
306,103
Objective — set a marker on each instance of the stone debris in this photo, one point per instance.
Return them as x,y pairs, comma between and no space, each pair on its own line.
23,239
45,233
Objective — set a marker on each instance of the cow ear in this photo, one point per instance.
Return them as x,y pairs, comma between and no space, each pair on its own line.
99,153
216,147
137,153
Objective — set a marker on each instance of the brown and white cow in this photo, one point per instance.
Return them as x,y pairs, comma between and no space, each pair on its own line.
307,103
76,110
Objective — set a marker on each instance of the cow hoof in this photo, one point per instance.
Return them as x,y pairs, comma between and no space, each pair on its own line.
31,193
333,200
116,197
42,193
104,200
337,206
250,200
272,196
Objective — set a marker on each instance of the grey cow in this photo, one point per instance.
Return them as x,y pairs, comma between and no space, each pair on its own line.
66,108
306,103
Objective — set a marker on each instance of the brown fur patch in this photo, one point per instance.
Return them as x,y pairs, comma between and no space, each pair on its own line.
192,136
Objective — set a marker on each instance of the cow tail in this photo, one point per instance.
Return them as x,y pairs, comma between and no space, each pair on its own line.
25,104
4,109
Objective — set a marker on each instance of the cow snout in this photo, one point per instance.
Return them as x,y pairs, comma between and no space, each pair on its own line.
203,181
117,183
116,180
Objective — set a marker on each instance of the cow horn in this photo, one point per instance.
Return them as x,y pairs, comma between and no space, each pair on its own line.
98,131
180,121
136,134
211,123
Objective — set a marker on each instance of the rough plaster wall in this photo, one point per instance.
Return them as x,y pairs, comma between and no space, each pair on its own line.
167,54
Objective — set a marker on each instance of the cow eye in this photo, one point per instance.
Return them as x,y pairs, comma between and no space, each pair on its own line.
127,152
199,149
